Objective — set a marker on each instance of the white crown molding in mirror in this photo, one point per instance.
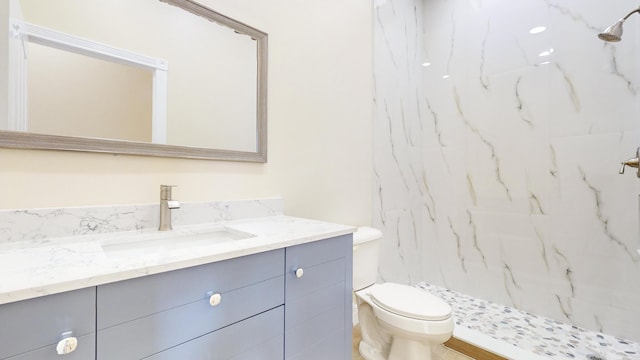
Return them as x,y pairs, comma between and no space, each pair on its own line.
21,32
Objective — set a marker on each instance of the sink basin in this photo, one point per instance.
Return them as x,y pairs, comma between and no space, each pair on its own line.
159,242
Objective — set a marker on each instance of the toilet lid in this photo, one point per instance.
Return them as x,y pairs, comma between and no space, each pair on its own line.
410,302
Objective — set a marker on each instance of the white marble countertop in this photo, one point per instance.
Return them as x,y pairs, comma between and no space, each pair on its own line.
40,267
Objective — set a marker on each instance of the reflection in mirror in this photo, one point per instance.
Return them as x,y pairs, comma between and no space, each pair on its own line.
114,105
221,100
215,100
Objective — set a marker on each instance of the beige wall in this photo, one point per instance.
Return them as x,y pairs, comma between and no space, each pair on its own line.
320,85
4,62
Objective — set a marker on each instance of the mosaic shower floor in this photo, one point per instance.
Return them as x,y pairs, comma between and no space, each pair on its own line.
531,333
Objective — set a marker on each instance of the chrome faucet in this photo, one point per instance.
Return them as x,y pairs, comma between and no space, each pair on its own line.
166,204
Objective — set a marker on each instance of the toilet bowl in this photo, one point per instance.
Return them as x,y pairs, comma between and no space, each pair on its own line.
398,322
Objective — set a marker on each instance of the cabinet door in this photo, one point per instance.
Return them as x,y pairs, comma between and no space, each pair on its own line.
39,324
259,337
318,300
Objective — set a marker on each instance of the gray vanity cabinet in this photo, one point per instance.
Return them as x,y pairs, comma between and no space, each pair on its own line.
31,329
318,300
292,304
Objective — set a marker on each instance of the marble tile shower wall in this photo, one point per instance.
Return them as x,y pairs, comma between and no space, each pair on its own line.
496,166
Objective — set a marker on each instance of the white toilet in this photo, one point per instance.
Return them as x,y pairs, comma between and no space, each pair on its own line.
398,322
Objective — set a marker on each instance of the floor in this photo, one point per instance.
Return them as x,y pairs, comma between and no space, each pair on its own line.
442,353
532,333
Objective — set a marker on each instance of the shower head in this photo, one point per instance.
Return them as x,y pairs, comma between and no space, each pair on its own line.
614,32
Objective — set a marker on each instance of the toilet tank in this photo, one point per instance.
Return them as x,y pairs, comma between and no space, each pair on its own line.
366,251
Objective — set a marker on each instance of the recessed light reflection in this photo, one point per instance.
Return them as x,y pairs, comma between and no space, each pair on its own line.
546,53
425,64
445,76
537,30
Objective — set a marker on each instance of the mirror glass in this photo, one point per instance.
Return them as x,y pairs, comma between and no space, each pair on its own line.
101,99
205,99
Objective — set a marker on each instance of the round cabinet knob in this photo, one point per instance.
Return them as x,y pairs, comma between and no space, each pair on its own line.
67,345
299,272
215,299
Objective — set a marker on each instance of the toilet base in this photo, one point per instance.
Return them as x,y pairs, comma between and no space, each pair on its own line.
378,343
402,349
375,343
368,352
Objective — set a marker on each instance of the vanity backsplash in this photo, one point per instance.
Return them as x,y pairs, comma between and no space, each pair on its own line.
34,224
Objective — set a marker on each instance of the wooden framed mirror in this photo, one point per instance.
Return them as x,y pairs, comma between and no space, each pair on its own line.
207,80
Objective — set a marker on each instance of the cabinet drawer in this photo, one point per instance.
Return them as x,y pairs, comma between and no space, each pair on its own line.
316,252
86,350
137,298
259,337
32,324
149,335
